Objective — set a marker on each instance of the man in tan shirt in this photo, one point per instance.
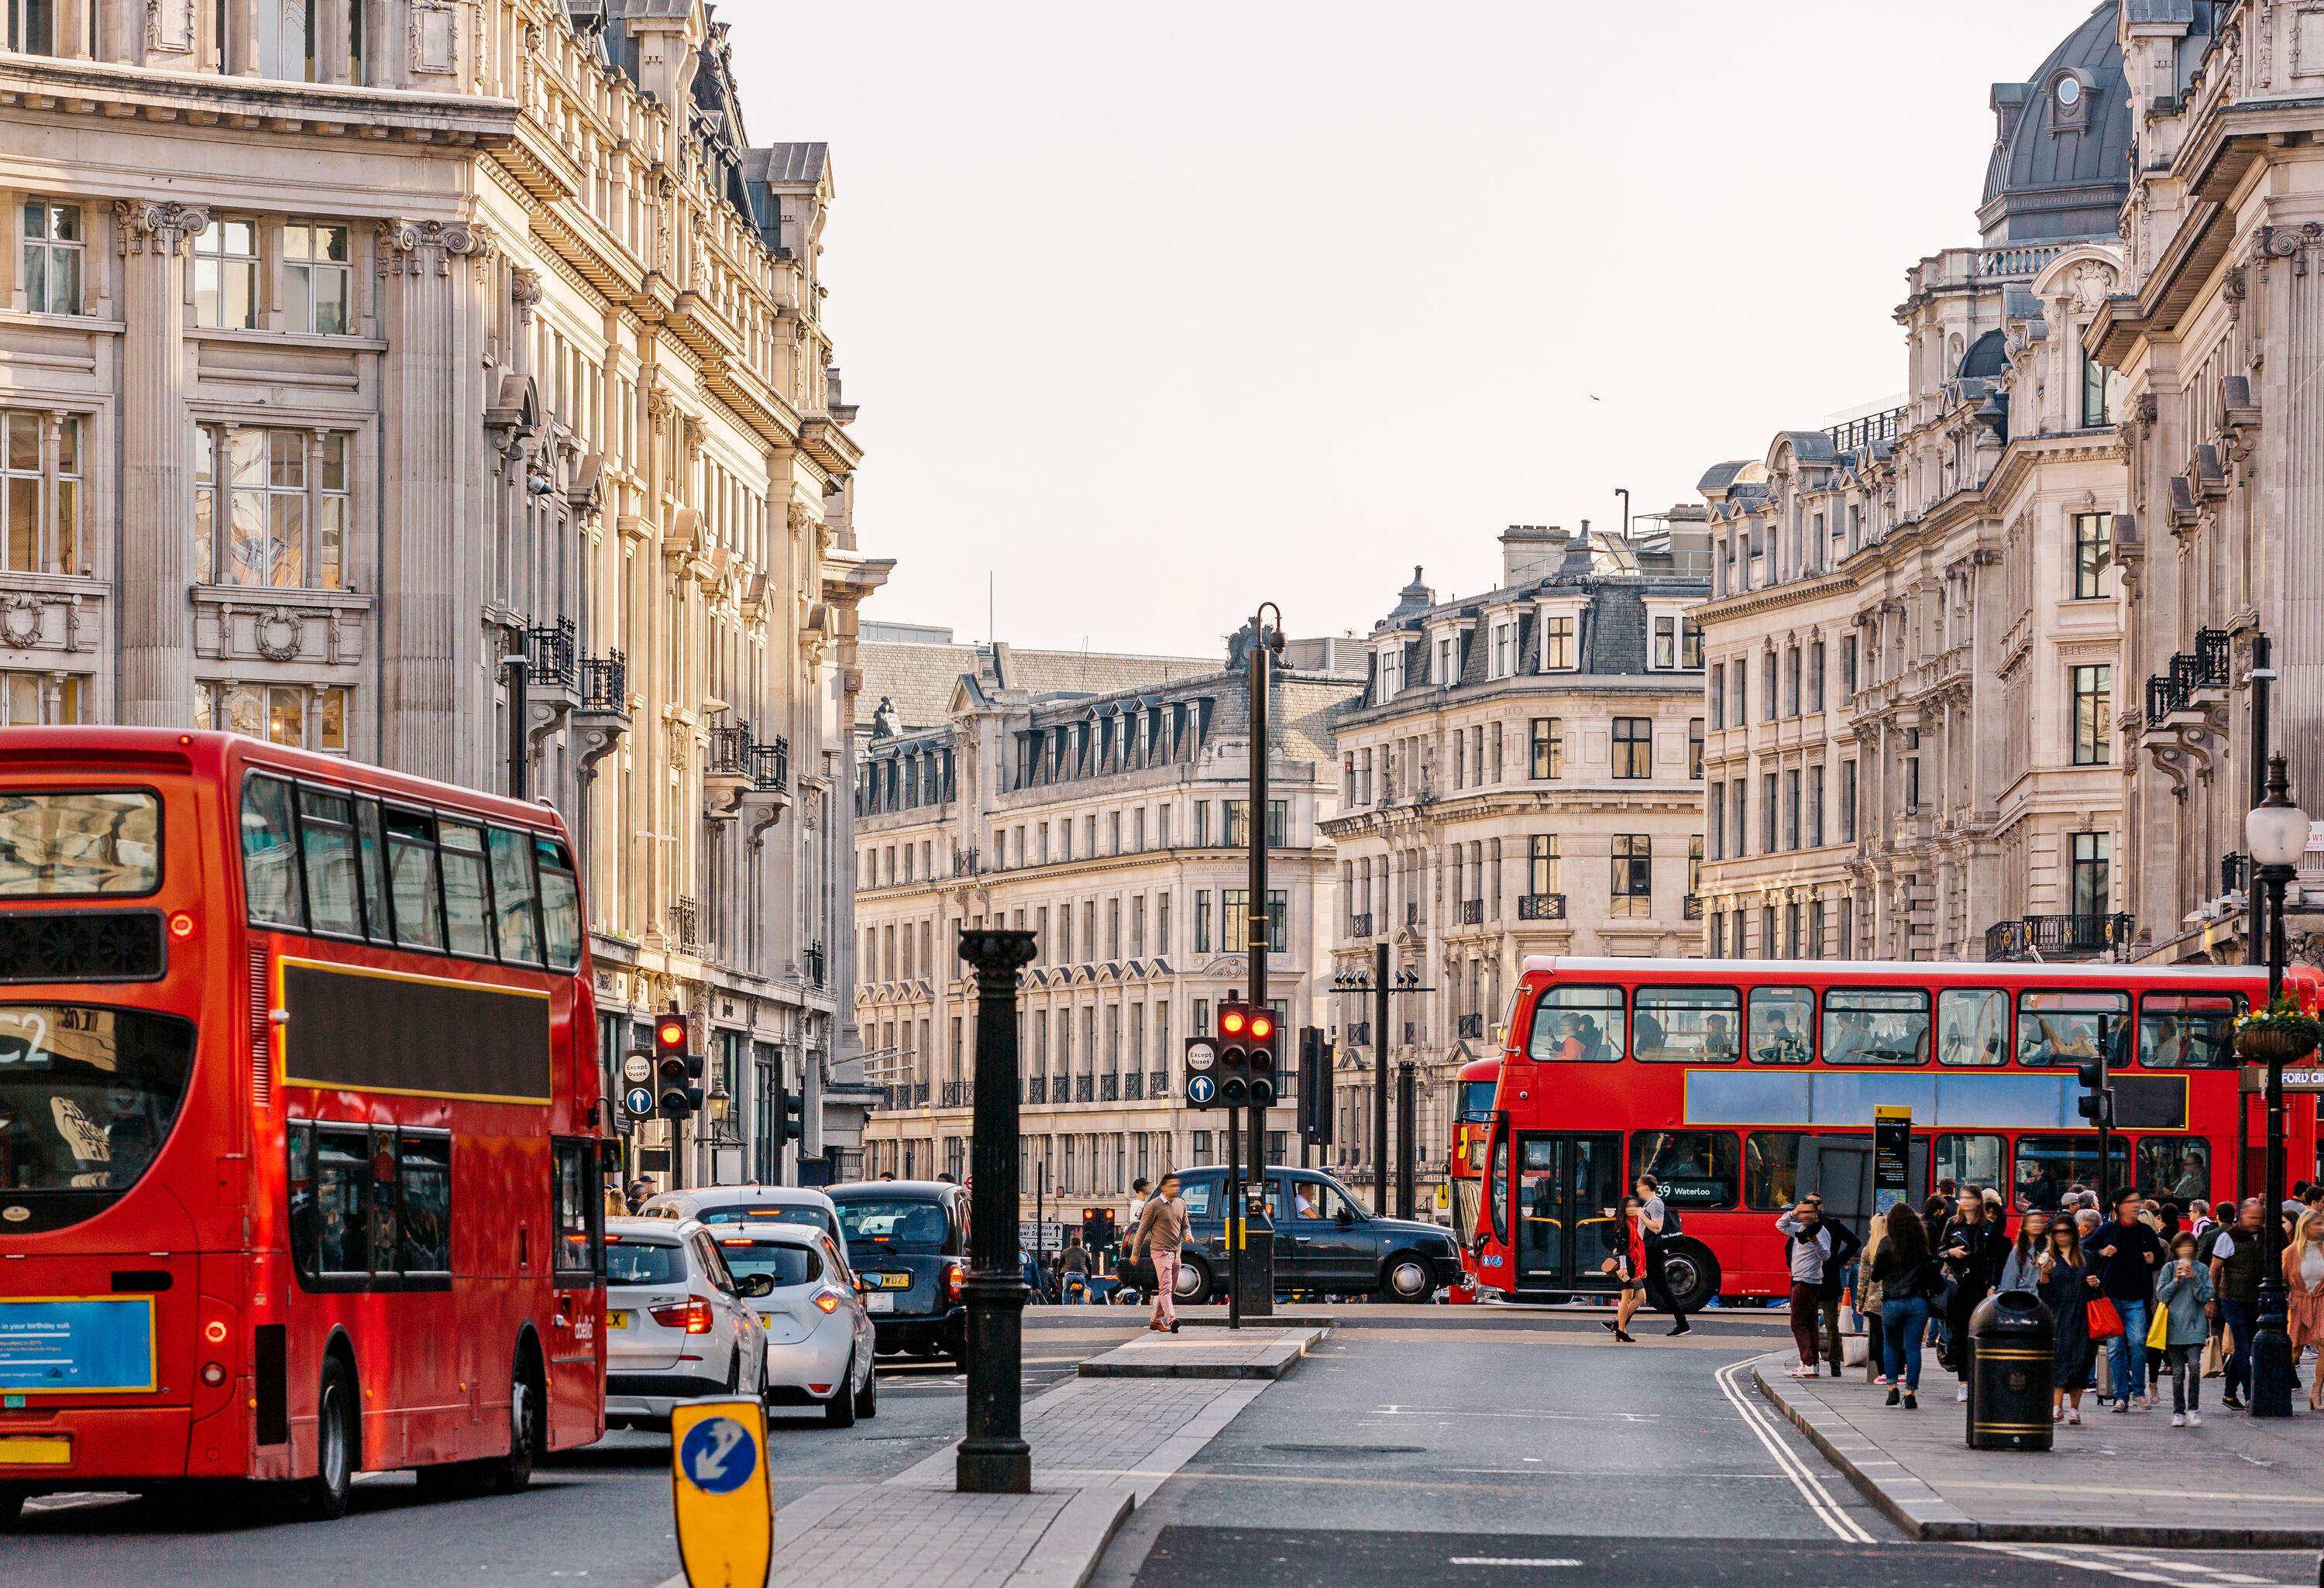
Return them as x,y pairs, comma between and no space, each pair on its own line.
1162,1230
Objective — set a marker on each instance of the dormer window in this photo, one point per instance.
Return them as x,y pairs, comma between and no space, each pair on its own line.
1502,658
2072,92
1391,673
1448,661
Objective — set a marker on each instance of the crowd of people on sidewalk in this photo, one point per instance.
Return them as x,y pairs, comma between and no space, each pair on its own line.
2165,1288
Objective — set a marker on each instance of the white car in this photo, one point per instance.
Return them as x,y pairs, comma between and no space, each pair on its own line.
679,1325
820,1342
753,1204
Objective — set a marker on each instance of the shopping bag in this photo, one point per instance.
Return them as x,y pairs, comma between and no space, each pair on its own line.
2104,1322
2158,1333
2215,1360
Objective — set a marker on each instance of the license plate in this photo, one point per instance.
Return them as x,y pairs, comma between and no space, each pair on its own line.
895,1281
878,1302
766,1320
24,1451
617,1318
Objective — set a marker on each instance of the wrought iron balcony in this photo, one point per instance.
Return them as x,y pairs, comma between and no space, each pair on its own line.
919,1095
1858,434
955,1094
2235,873
604,682
1472,911
771,765
550,649
900,1094
685,923
815,965
1109,1088
2210,666
1157,1084
1541,907
730,752
1084,1088
1360,926
1036,1089
1133,1087
1691,907
1472,1025
2058,936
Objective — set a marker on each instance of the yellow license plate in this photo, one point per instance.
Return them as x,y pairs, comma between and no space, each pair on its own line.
616,1318
26,1451
896,1281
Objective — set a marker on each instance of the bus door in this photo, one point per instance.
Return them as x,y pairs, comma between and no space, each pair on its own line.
1839,1168
1568,1212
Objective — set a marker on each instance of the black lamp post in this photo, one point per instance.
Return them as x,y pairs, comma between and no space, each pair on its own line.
2276,831
994,1459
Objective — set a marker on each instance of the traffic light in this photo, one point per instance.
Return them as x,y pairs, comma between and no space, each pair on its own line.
794,1116
1265,1058
1250,1055
675,1069
2097,1103
1314,1087
1097,1228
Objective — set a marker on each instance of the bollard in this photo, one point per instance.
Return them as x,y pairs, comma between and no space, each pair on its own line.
2013,1365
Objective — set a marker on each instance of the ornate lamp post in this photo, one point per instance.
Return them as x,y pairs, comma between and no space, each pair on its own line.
994,1459
2276,831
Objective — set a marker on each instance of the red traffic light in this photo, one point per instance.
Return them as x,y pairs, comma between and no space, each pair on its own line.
1262,1026
1230,1022
669,1034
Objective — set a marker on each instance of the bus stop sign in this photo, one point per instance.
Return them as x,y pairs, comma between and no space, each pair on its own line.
718,1491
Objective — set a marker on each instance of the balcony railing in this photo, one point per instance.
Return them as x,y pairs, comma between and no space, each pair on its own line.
1858,434
1472,1025
919,1095
1157,1084
2058,936
2210,666
1541,907
1036,1089
1691,907
685,923
604,682
957,1094
899,1094
1109,1088
1360,926
2025,258
730,752
2235,873
1472,911
549,649
771,764
814,966
1133,1087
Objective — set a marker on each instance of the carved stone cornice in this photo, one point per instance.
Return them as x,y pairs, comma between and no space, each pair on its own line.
156,226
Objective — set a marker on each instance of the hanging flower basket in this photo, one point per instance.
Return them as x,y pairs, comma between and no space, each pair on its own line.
2281,1033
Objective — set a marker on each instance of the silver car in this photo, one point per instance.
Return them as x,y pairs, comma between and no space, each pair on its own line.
820,1343
680,1323
750,1205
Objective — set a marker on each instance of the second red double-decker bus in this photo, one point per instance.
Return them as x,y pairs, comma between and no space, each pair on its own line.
298,1168
1740,1084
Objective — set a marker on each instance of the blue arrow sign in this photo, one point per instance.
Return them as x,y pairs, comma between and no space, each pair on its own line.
638,1101
718,1456
1201,1089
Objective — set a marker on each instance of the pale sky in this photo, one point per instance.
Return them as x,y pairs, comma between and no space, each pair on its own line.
1157,310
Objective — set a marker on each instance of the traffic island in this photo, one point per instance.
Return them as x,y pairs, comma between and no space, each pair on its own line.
1214,1354
2129,1479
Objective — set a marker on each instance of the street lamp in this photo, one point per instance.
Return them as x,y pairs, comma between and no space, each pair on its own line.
2276,833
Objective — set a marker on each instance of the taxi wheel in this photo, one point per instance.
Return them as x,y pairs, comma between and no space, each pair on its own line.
1195,1284
1406,1278
867,1400
839,1411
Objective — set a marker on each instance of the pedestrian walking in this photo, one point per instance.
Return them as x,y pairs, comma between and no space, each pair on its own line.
1837,1268
1909,1280
2127,1256
2018,1270
2303,1279
1972,1248
1872,1299
1162,1232
2183,1293
2064,1282
1808,1245
1661,1224
1136,1200
1629,1267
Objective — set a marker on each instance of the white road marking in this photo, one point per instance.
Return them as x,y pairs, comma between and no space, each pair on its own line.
1512,1560
1827,1510
2131,1565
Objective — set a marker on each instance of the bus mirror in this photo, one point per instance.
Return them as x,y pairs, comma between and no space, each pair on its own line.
608,1157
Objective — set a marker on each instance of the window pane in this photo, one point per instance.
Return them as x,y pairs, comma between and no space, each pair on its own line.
2193,1032
331,728
296,293
467,897
330,295
1973,1160
371,846
1782,1019
1879,1027
247,562
328,842
1697,1168
1578,1024
287,531
1771,1170
1687,1025
1972,1027
286,715
411,864
424,1243
2047,1164
513,895
560,904
270,877
2073,1027
2177,1166
343,1202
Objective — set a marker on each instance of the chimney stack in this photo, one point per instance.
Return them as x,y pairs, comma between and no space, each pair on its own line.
1530,552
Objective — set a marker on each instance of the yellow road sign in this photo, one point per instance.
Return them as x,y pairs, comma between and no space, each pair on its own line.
718,1489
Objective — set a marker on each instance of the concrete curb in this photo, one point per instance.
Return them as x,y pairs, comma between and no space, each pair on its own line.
1925,1514
1068,1554
1142,1358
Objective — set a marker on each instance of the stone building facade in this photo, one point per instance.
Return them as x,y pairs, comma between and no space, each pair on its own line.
1109,822
346,348
2213,328
1916,620
1522,775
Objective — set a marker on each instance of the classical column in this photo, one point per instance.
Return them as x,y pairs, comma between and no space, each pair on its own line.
432,432
156,542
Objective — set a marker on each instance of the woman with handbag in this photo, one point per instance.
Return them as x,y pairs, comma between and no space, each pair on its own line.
2182,1294
1911,1283
1629,1267
2303,1279
2067,1287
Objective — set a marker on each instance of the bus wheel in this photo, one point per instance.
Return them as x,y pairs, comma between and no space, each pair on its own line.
1691,1274
527,1433
326,1493
1406,1277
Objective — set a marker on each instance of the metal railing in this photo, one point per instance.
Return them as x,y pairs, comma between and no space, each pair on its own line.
2235,873
815,965
1856,434
1472,1025
2058,936
769,764
730,752
1541,907
1360,926
1691,907
1109,1088
550,649
956,1094
2210,666
2164,694
1036,1089
604,682
1133,1087
1157,1084
1472,911
1084,1088
919,1095
684,922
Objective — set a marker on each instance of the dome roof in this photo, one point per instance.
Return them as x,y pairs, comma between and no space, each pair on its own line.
1987,357
2061,165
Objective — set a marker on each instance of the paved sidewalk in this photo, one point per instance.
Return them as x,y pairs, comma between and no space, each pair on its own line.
1101,1447
2131,1479
1209,1353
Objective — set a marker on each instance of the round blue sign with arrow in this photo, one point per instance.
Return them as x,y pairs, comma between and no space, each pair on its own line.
639,1101
718,1456
1201,1089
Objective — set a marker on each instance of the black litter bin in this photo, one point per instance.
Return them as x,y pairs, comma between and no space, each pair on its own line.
2013,1363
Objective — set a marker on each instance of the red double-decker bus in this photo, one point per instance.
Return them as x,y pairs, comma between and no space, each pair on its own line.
1472,1120
299,1164
1742,1084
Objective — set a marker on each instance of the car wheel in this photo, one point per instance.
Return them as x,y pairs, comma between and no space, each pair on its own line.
1690,1275
867,1400
839,1411
1194,1284
1404,1278
325,1494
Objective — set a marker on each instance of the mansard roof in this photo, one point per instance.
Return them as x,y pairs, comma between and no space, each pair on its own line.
2061,165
